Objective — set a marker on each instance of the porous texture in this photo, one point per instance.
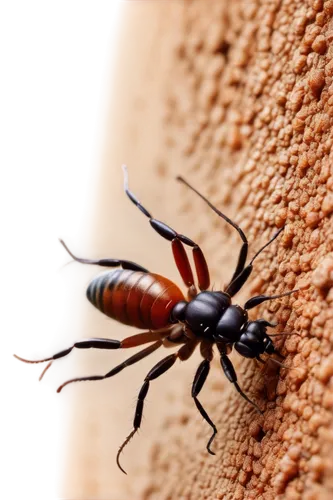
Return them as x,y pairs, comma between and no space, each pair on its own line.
237,96
249,120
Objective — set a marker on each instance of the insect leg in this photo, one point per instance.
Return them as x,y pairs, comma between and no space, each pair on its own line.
259,299
243,251
230,373
198,382
161,367
125,264
243,276
96,343
177,242
128,362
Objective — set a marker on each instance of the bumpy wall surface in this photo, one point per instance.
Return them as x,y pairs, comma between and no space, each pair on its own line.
244,112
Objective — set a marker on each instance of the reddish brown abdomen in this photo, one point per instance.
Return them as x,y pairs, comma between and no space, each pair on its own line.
144,300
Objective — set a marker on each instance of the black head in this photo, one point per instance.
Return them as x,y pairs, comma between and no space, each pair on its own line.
254,340
203,313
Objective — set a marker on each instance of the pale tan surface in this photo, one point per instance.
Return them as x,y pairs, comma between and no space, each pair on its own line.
237,98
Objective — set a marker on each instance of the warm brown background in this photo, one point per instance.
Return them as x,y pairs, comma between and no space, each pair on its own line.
237,97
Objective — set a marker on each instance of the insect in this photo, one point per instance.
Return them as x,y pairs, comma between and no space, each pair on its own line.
134,296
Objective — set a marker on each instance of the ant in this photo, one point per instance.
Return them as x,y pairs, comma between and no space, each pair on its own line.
134,296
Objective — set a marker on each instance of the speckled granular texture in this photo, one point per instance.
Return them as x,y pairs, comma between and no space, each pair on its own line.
249,118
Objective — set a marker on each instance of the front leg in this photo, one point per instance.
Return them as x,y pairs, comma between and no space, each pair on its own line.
231,375
198,382
259,299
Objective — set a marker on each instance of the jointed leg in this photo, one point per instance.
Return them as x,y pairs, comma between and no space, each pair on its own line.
101,343
97,343
241,273
237,283
230,373
128,362
243,251
198,382
161,367
259,299
125,264
177,241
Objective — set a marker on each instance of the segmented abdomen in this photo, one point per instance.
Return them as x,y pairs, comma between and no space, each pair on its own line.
134,298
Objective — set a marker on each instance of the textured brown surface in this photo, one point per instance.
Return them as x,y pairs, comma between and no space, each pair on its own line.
246,92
